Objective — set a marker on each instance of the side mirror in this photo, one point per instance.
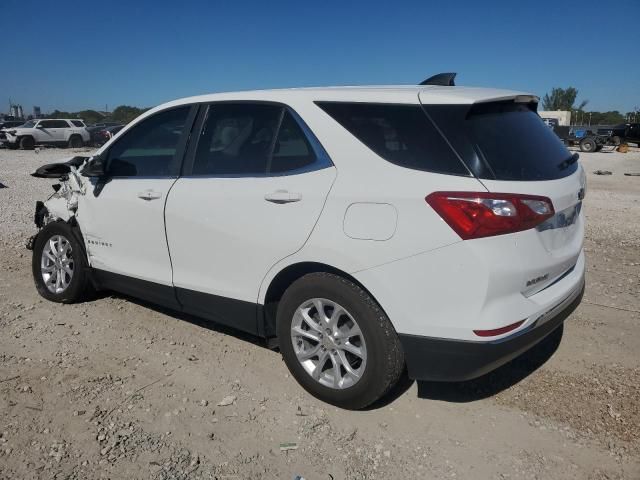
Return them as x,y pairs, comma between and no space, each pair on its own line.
95,168
39,126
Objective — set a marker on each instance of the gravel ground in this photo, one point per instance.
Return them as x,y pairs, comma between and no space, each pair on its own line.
114,388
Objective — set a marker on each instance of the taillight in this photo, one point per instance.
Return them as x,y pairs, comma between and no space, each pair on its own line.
484,214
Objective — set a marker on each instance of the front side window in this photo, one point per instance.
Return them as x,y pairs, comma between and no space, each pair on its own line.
150,147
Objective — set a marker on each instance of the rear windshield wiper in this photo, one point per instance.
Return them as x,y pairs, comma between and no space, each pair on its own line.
569,161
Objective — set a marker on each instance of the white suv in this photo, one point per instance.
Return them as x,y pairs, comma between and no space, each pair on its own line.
364,230
67,132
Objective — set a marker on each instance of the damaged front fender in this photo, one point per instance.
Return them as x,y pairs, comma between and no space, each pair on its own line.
63,203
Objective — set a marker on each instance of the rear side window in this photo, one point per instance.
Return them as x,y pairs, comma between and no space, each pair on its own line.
292,150
504,141
237,139
77,123
245,139
53,124
401,134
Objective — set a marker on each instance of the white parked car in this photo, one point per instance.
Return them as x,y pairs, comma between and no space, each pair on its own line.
364,230
66,132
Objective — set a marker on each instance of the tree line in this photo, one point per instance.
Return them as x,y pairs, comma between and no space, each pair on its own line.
565,99
557,99
121,114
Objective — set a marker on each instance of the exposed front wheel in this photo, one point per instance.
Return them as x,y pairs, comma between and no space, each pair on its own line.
27,143
58,264
337,342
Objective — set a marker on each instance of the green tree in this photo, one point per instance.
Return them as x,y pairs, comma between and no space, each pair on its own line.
60,114
89,116
126,113
604,118
562,99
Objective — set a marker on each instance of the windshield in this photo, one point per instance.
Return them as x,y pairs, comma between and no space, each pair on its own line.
29,124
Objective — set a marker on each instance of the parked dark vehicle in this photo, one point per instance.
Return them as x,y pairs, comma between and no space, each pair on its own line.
583,137
101,125
102,136
623,133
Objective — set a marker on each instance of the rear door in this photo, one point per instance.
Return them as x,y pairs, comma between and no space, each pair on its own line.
253,189
510,149
122,217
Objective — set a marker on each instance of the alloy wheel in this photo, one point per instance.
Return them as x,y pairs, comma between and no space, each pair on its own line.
56,264
328,343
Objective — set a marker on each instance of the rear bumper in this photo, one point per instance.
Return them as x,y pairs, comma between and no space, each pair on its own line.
439,359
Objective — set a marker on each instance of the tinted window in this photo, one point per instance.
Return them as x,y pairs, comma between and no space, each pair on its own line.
77,123
237,139
504,141
401,134
53,124
292,150
149,148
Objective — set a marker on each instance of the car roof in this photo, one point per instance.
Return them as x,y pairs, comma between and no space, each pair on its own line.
429,94
67,119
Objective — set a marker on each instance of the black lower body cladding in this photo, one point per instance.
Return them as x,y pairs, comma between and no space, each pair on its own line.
439,359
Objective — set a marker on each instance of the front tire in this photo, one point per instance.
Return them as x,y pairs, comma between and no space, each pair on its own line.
59,265
337,342
27,143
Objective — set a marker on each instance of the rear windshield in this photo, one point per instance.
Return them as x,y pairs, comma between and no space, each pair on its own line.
504,141
400,134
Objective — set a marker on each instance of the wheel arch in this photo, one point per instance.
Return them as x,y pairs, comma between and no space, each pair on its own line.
283,279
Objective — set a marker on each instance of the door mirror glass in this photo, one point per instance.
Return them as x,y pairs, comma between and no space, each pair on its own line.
95,168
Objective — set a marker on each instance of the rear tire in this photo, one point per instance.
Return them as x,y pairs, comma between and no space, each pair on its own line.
59,264
588,145
363,357
27,143
76,141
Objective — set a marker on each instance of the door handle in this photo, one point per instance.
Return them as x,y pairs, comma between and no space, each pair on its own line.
149,195
282,196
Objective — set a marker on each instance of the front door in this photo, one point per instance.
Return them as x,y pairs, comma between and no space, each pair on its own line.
122,219
51,131
255,190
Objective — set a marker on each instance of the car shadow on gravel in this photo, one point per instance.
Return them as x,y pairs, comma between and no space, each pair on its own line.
494,382
194,320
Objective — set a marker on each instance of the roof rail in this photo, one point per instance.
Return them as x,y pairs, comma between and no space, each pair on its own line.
441,79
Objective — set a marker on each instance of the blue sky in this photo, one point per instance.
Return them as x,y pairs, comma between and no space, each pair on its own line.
74,55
